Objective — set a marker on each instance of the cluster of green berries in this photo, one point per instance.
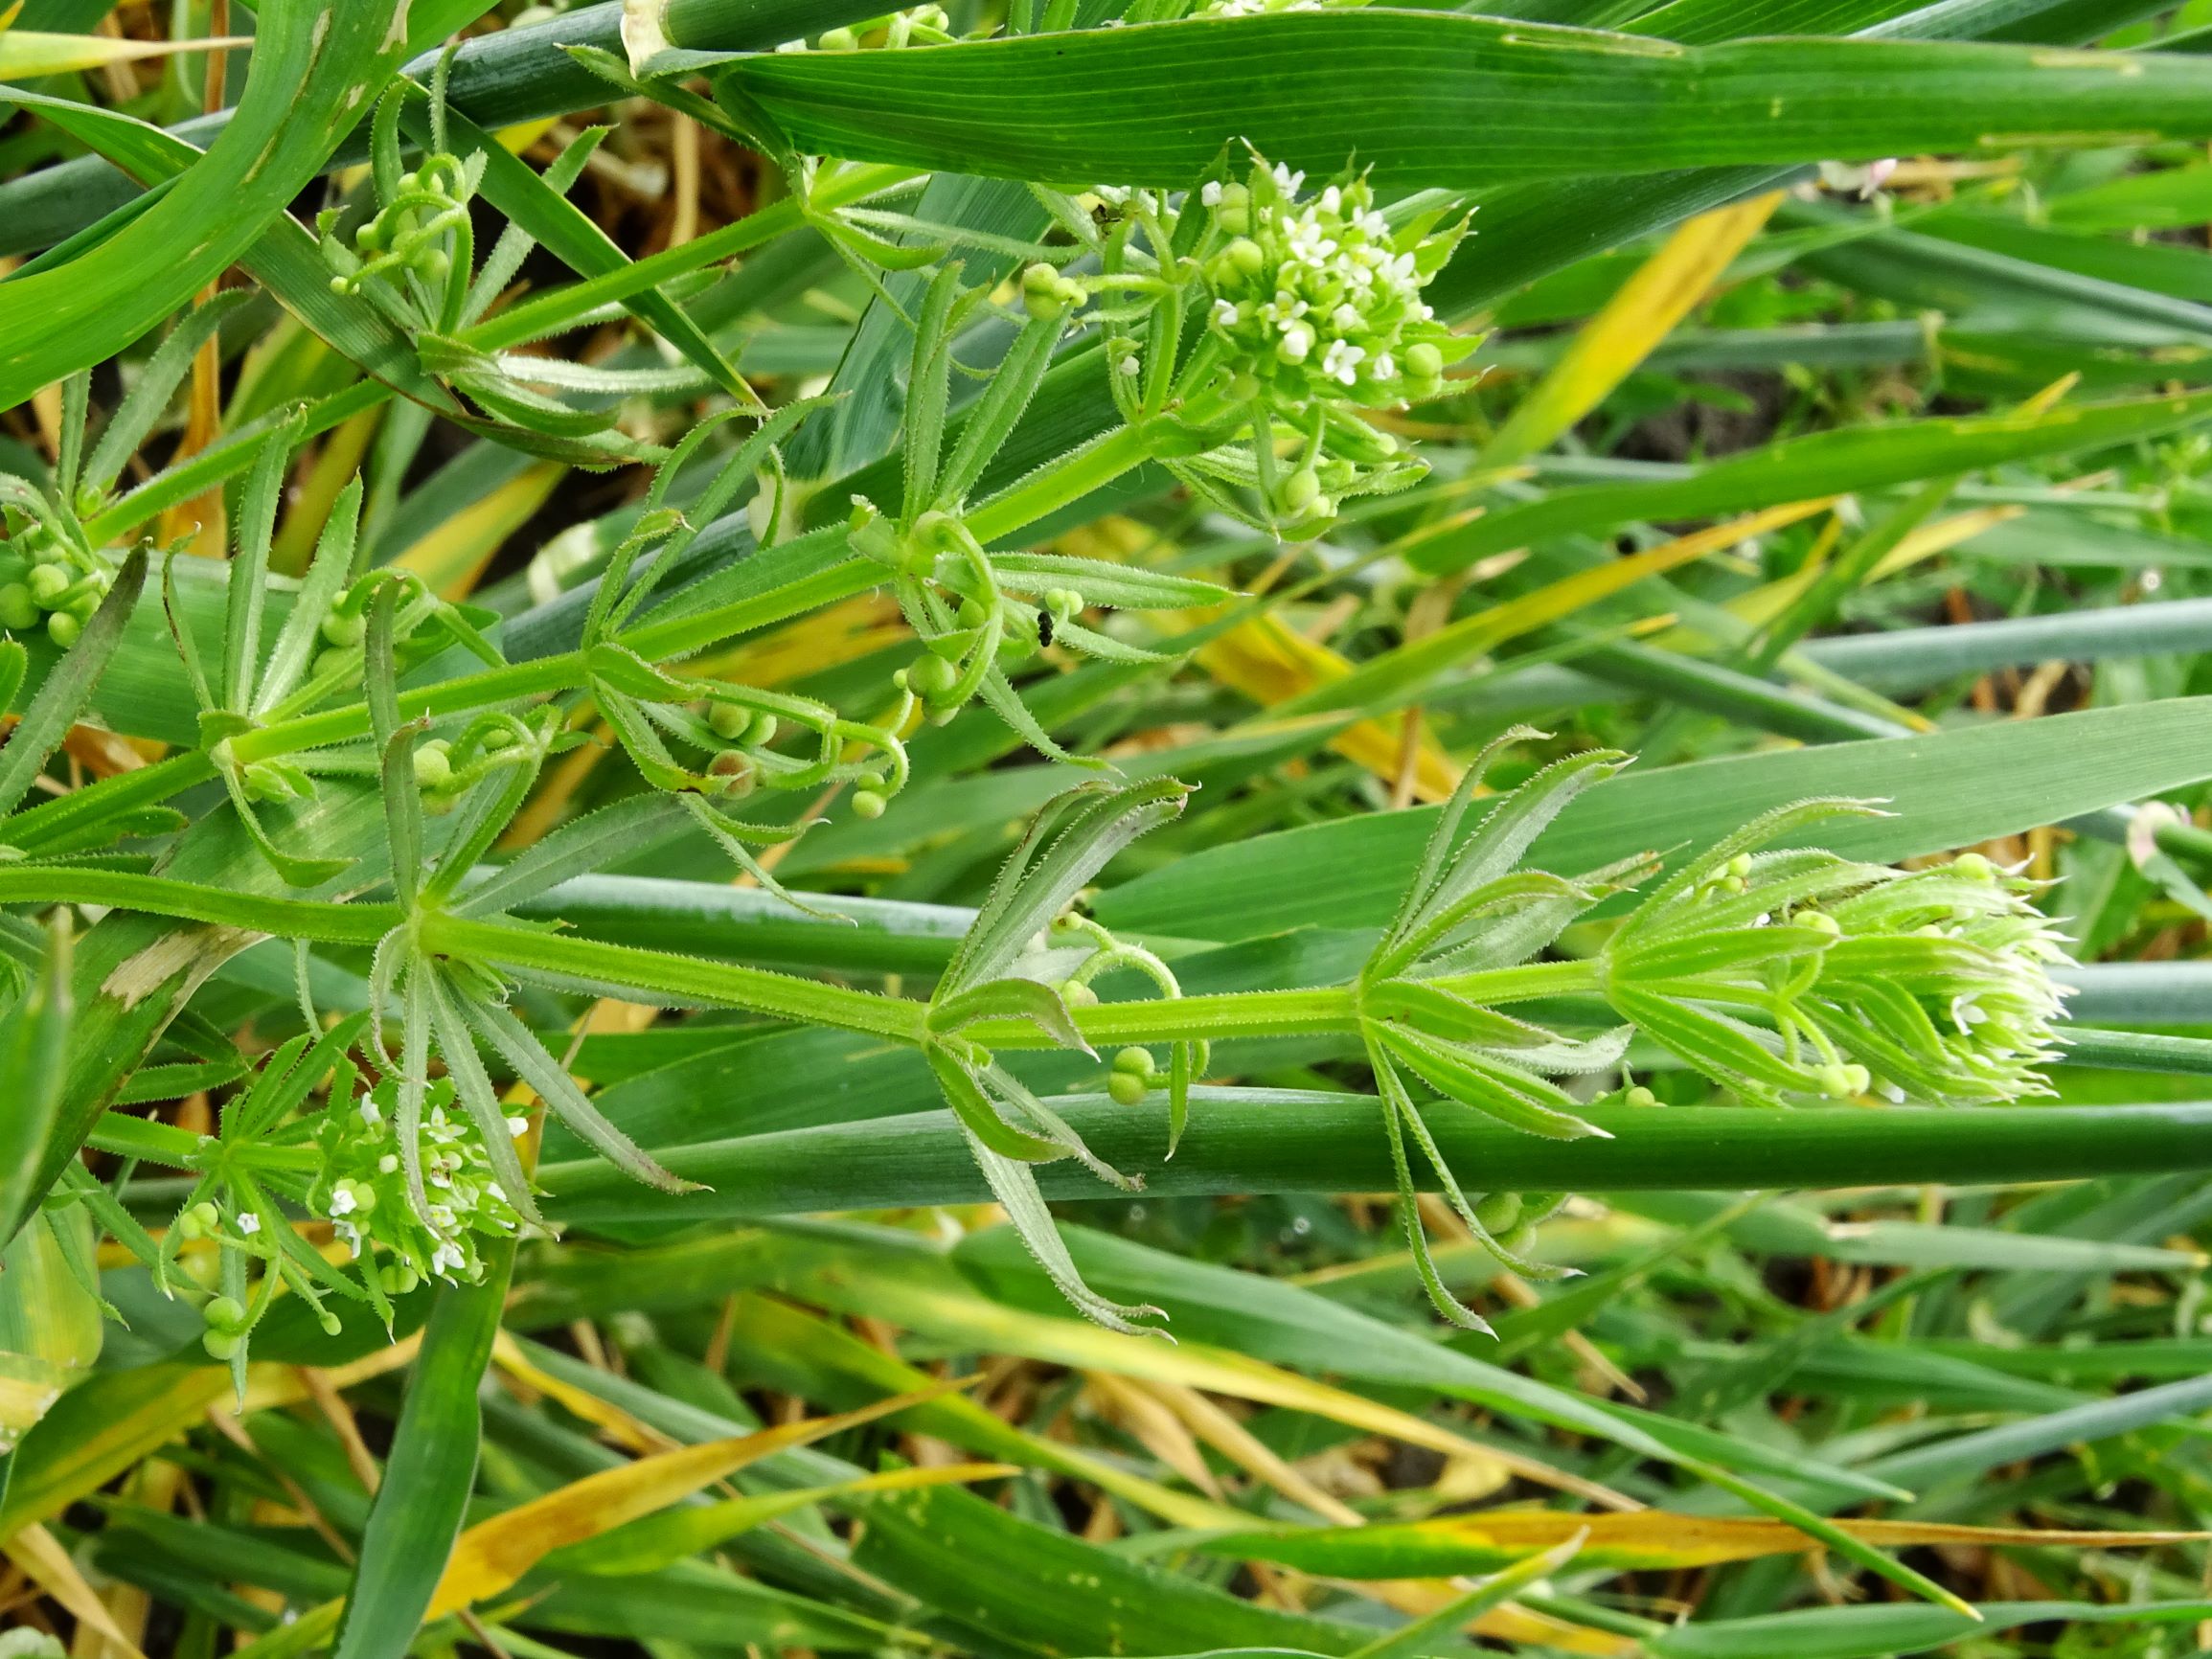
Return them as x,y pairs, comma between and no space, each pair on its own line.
362,1188
407,234
1319,301
1131,1076
52,590
1048,292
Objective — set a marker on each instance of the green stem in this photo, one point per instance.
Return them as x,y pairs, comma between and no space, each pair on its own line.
1070,479
1493,986
1262,1013
681,636
685,979
512,682
189,902
547,312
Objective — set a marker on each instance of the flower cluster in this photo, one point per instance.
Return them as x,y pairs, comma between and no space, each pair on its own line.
1320,300
363,1188
1939,983
1802,973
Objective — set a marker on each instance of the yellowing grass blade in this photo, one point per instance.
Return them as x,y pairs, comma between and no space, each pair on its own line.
48,1566
1272,662
1763,604
992,1328
1631,326
1647,1539
452,557
490,1556
661,1541
26,52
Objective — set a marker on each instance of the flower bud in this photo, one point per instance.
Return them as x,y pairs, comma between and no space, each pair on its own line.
1300,490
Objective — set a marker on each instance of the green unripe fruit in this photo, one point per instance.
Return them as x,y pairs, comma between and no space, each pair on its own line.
1128,1088
398,1278
930,675
765,729
432,264
1500,1212
370,237
867,803
18,610
48,583
1245,257
1424,361
434,764
1639,1096
730,721
224,1313
221,1344
1244,387
331,1322
1301,490
1974,867
971,614
342,629
1076,994
1819,920
1136,1061
63,629
1520,1241
838,40
1041,292
408,182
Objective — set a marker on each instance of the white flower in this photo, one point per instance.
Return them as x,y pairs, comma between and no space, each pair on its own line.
447,1258
1297,343
1341,361
370,1115
249,1224
1225,314
1210,193
1130,365
517,1127
342,1199
1385,367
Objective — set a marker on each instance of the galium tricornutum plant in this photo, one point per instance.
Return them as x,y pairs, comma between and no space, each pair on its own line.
1244,331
